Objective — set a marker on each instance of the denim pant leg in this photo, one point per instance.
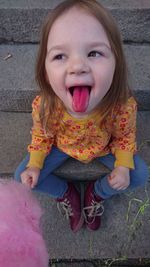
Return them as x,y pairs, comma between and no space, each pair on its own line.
48,182
138,176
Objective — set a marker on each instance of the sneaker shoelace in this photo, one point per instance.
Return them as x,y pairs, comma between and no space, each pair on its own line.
65,208
96,209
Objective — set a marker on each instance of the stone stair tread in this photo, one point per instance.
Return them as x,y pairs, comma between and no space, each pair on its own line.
15,136
51,4
125,227
131,16
120,235
18,88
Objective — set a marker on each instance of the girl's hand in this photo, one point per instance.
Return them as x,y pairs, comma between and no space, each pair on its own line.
30,176
119,178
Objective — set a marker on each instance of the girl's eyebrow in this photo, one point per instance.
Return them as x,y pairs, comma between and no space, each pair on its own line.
56,47
97,43
91,44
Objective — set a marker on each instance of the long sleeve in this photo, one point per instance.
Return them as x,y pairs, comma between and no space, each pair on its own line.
123,144
41,144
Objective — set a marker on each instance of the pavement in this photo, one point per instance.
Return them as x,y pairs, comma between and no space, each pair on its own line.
124,236
118,237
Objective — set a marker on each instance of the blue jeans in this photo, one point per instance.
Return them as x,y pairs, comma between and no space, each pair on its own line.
56,187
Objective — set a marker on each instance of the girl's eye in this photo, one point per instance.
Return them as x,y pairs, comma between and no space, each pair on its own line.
95,54
59,57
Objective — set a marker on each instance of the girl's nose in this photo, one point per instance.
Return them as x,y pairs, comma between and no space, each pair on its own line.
78,66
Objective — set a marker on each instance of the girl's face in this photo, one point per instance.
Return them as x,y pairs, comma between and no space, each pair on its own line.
79,62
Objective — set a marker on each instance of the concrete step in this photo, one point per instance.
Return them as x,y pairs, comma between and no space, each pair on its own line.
124,233
15,136
17,86
125,230
131,16
101,263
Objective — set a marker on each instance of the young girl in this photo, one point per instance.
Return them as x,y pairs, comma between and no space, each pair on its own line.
85,110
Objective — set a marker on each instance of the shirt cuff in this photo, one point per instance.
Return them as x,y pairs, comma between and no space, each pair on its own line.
36,159
124,158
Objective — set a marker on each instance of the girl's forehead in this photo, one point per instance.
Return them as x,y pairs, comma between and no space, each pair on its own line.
75,22
75,16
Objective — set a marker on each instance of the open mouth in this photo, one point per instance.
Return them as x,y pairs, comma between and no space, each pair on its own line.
80,97
72,88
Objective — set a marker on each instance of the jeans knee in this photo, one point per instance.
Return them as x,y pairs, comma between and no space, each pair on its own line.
144,174
17,175
140,176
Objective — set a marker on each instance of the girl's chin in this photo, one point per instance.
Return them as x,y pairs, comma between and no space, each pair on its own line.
78,114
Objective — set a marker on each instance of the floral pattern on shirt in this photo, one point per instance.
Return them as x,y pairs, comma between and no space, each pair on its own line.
84,139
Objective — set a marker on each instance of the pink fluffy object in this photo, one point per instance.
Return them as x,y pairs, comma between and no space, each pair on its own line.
21,241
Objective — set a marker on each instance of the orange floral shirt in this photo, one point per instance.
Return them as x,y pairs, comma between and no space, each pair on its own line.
86,139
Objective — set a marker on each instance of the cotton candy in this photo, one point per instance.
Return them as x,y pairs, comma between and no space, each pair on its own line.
21,241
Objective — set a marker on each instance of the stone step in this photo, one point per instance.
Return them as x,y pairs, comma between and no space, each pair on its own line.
131,16
17,86
101,263
15,136
124,232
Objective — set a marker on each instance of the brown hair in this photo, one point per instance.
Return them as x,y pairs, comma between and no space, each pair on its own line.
119,91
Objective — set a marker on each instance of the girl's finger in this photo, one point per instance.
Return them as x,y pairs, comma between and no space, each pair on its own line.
115,186
113,182
111,176
27,181
122,188
34,182
33,185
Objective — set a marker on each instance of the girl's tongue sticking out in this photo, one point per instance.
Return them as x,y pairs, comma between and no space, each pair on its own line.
80,98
